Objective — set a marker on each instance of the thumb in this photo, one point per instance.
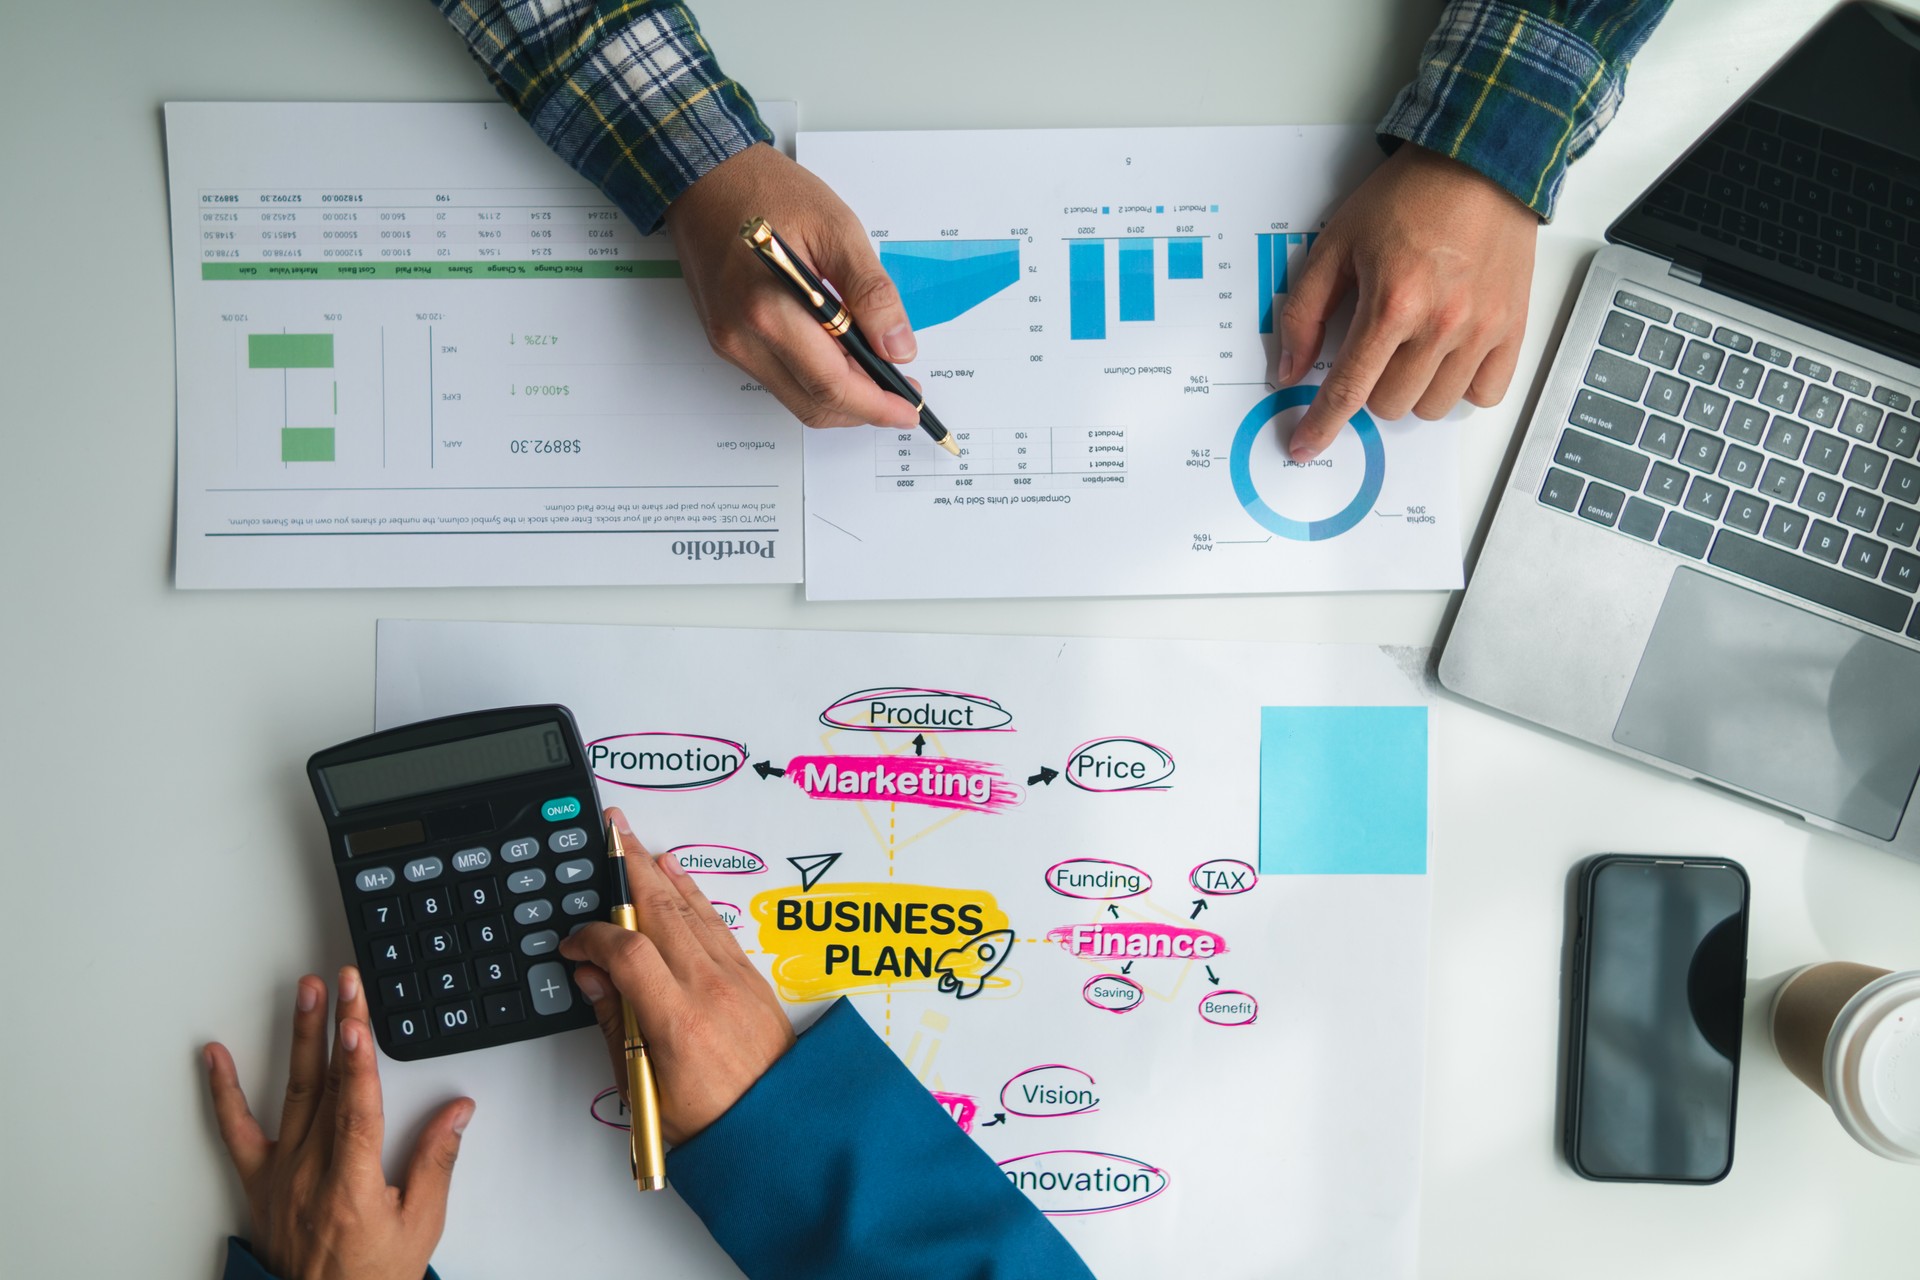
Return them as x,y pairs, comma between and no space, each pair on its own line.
430,1169
1323,280
849,263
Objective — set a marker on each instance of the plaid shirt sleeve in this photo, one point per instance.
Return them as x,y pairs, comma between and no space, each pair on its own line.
627,93
1519,89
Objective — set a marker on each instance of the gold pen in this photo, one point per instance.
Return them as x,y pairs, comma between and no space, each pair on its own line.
643,1096
838,322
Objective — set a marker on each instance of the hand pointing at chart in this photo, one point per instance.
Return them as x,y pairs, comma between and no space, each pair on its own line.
1440,260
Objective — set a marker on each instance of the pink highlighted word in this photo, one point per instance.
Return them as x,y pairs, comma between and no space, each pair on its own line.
939,784
961,1107
1138,940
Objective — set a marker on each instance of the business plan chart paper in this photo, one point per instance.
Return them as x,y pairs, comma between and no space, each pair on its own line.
414,348
1148,919
1095,311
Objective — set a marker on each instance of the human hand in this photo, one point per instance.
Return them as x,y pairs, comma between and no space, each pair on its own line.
1441,258
321,1206
712,1024
752,321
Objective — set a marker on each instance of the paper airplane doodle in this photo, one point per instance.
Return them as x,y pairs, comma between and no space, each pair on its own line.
964,970
812,866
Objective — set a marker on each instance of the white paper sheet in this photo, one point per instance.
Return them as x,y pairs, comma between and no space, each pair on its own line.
1094,312
416,349
1287,1144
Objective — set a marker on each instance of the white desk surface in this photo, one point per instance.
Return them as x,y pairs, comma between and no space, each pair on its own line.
164,874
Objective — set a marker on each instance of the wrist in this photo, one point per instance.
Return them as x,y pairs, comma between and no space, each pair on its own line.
1460,178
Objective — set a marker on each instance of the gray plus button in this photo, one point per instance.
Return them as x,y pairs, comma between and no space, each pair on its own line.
551,993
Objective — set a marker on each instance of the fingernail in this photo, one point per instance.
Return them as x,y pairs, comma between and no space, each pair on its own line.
460,1121
1300,453
590,987
350,1036
673,863
206,1056
349,983
900,344
1285,372
305,998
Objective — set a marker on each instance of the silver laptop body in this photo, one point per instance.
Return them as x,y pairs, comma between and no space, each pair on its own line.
1706,555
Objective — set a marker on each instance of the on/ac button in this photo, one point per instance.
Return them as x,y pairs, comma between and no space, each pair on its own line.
561,809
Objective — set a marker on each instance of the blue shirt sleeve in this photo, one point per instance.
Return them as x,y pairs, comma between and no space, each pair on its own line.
838,1163
242,1265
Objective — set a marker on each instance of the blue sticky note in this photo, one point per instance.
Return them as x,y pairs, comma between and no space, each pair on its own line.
1343,791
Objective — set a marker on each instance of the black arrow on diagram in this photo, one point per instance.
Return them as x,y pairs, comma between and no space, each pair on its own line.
1127,967
1210,978
1113,910
768,769
1199,905
919,743
1044,778
999,1117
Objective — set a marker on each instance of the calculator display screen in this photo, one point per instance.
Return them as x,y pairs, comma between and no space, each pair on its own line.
446,766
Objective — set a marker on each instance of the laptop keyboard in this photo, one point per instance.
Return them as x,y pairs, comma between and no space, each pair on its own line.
1774,465
1813,199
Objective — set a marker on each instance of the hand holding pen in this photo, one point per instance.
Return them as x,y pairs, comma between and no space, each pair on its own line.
712,1024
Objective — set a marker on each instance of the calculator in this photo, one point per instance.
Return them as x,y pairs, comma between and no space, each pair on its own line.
466,847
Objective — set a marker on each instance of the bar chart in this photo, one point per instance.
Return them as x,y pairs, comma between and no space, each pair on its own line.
286,352
1279,253
941,280
1135,270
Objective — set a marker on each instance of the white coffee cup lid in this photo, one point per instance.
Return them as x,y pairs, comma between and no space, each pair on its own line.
1873,1066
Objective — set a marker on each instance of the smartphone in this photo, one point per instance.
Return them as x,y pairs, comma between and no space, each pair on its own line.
1658,990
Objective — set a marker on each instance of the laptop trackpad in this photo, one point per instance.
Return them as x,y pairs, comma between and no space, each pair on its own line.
1741,688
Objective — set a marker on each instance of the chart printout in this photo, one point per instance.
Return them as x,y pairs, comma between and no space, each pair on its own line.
1095,311
1161,956
414,348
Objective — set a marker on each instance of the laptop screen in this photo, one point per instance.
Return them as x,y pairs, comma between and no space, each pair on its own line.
1805,198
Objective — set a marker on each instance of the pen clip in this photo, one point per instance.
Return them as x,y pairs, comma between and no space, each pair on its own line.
759,234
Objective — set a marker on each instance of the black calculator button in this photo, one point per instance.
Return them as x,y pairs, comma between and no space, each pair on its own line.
505,1006
477,895
533,911
384,914
431,906
439,944
407,1028
571,840
453,1019
494,971
531,880
401,988
538,944
421,870
587,900
547,984
472,860
391,953
448,980
374,879
573,872
491,932
520,850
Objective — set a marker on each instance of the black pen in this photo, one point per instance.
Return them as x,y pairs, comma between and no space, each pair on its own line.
837,321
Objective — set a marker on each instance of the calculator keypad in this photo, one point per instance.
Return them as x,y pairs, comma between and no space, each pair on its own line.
463,941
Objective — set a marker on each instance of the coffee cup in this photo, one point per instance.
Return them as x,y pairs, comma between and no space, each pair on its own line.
1851,1033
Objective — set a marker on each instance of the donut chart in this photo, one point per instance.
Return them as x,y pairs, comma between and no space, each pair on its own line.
1240,467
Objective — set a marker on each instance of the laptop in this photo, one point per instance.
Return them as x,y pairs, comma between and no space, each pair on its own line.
1705,556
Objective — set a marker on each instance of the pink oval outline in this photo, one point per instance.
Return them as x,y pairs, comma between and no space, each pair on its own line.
1010,1109
1160,1173
734,847
889,691
1230,991
593,1108
1105,862
1223,893
1155,785
738,914
1117,977
741,747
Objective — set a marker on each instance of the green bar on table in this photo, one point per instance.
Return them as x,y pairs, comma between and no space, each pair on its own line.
306,444
289,351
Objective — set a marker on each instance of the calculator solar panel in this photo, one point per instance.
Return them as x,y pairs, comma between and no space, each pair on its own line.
466,848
